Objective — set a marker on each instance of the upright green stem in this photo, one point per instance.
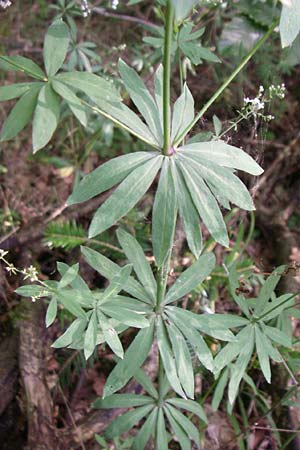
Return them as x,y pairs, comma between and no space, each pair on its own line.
167,77
226,83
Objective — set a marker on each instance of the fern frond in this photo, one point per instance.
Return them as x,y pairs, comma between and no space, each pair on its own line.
67,235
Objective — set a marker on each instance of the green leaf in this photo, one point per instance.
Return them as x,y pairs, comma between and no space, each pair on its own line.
20,115
95,87
218,394
90,336
183,113
74,331
164,214
217,125
205,203
145,432
186,424
136,256
108,269
32,290
77,283
16,90
183,359
125,197
110,335
55,46
117,282
202,322
161,432
241,366
72,100
66,297
231,350
222,154
69,276
122,401
224,182
197,342
142,99
130,304
46,117
277,306
267,290
191,277
134,357
179,432
277,336
187,212
189,405
146,383
262,353
168,357
107,175
22,64
289,26
126,421
123,315
183,8
51,312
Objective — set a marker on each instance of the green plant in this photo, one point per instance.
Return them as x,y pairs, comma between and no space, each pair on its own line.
194,180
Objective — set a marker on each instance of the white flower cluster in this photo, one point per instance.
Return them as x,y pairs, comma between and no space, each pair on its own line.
277,91
31,273
114,4
5,3
85,8
256,104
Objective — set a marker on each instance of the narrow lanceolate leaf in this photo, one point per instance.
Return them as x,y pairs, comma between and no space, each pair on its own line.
187,212
218,394
16,90
262,353
72,100
205,203
183,359
167,357
66,297
224,182
69,276
161,432
183,113
186,424
55,46
164,214
110,335
134,357
183,439
222,154
95,87
107,175
122,401
117,282
51,312
126,421
146,383
289,22
190,406
46,117
108,269
158,91
77,282
74,331
142,99
20,115
191,277
22,64
125,197
267,290
241,366
136,256
124,315
231,350
197,342
144,434
32,290
277,336
90,336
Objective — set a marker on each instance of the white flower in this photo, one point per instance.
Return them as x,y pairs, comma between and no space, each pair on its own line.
5,3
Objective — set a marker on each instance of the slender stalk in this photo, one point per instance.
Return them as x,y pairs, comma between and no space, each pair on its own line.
167,77
226,83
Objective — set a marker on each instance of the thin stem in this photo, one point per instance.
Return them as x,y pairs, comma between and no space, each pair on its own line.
226,83
167,77
161,376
